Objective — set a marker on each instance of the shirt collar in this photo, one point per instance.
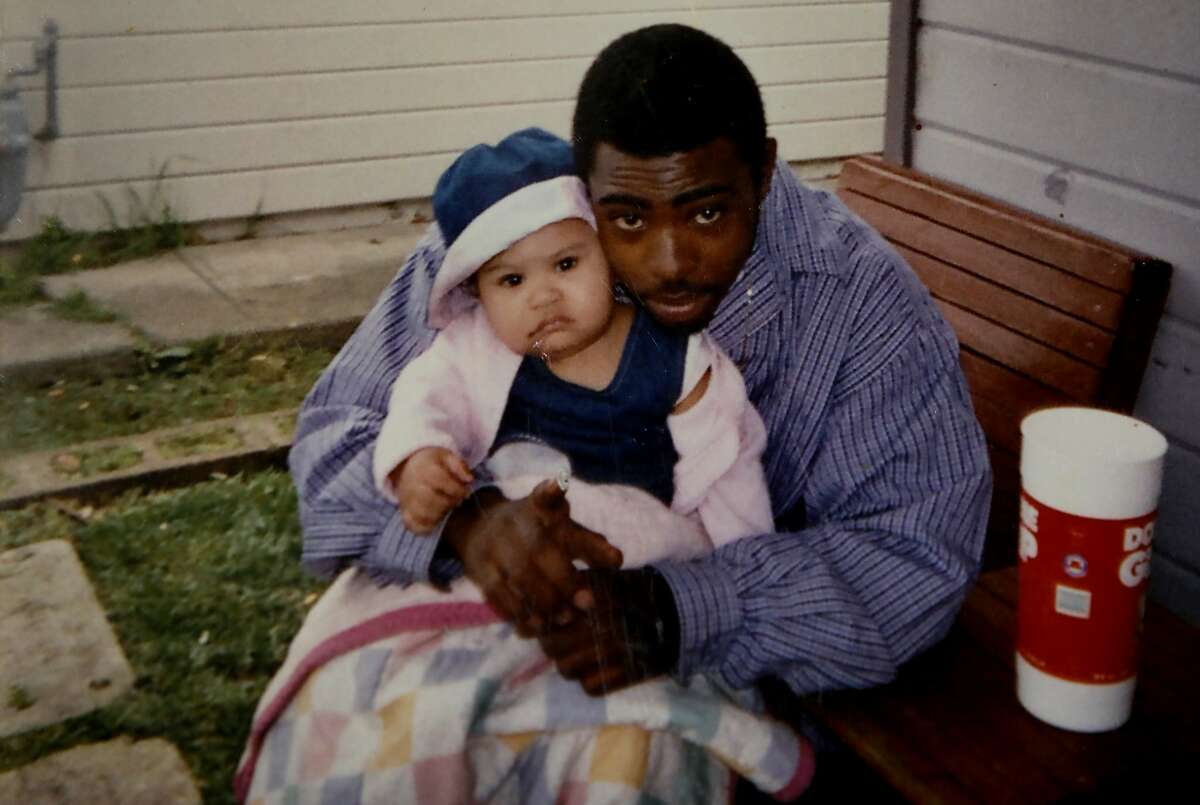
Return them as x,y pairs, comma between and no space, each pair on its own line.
756,296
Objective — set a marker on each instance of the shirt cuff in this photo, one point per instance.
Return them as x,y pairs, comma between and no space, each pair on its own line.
710,613
400,556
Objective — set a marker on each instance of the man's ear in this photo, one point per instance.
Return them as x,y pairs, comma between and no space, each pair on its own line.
767,168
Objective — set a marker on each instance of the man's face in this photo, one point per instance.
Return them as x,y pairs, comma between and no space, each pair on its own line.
550,293
677,229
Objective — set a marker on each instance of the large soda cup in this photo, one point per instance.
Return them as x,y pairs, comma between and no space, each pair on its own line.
1090,482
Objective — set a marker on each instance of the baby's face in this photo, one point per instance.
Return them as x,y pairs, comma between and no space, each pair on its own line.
550,293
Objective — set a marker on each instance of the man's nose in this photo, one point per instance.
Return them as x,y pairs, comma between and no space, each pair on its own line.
669,258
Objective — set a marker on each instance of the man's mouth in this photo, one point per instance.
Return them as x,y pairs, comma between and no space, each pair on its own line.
677,307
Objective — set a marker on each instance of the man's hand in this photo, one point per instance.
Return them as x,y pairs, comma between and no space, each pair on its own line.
430,483
519,553
630,633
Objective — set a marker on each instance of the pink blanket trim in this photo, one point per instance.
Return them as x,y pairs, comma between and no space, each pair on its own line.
802,777
407,619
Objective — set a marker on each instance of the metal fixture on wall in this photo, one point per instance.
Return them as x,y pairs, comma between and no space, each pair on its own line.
14,125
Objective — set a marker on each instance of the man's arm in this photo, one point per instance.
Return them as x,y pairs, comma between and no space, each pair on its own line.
897,499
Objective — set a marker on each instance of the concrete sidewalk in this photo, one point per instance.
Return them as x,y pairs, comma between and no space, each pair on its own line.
308,284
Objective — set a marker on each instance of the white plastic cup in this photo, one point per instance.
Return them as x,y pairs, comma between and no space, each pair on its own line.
1090,482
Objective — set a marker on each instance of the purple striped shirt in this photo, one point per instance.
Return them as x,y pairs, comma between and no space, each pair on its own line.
870,434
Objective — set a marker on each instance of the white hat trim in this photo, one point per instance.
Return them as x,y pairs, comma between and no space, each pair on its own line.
518,214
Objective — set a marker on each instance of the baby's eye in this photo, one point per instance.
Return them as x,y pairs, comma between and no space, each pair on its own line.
630,222
510,280
708,215
566,263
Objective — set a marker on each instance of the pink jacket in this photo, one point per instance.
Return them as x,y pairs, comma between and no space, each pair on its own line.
454,394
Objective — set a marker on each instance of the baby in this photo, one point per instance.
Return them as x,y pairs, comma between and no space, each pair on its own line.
539,371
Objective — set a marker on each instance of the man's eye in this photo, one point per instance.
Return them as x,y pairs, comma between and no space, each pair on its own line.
510,280
630,222
566,264
708,215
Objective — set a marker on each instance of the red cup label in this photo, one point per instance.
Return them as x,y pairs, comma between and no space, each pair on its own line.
1082,583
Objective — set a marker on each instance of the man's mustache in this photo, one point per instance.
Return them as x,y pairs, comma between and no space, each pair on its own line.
676,289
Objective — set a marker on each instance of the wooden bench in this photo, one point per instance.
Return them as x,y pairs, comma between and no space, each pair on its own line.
1045,315
950,728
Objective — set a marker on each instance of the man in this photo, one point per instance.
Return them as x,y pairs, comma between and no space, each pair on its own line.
877,467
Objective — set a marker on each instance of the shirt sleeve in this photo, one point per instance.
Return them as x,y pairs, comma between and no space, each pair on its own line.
344,518
897,498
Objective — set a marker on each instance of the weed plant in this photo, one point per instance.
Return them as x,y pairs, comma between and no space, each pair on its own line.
77,306
58,249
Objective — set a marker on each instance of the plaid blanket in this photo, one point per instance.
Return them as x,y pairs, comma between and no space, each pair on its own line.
418,695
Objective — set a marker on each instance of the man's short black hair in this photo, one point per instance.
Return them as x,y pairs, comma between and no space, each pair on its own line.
665,89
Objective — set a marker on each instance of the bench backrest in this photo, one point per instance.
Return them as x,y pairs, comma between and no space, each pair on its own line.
1045,315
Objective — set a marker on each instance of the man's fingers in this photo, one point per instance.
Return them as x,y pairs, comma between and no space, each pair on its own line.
606,679
582,543
548,497
558,583
590,654
501,599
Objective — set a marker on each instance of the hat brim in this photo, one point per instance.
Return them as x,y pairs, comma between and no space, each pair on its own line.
513,217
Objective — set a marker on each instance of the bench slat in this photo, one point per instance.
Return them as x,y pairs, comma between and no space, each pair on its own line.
1045,324
1070,376
1001,425
1007,388
1002,398
1058,289
1076,252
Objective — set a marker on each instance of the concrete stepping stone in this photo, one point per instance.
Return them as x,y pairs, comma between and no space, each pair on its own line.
36,344
181,454
251,286
58,655
116,772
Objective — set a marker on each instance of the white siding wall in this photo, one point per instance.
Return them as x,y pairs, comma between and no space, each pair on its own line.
251,108
1088,111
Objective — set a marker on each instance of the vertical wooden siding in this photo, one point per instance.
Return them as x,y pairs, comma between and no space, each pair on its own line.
229,108
1086,111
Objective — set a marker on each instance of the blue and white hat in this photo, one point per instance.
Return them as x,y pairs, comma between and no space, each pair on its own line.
491,197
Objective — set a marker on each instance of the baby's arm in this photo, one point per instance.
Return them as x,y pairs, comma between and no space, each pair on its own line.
429,484
720,440
428,440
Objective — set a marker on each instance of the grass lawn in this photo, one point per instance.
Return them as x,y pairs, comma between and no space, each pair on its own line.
204,589
176,386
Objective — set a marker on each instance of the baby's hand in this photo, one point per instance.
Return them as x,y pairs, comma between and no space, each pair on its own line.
430,483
